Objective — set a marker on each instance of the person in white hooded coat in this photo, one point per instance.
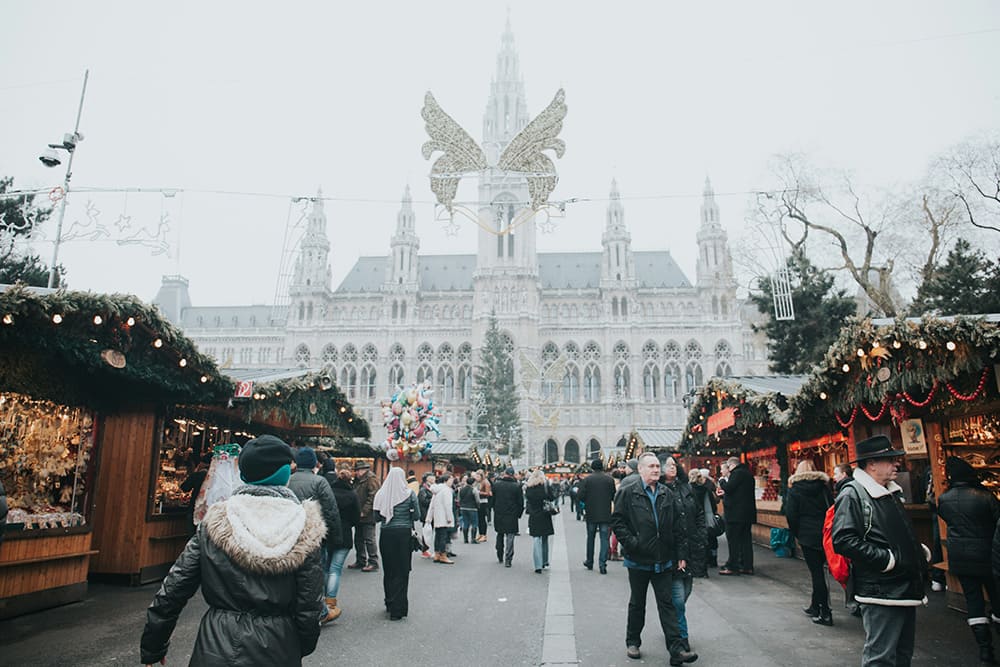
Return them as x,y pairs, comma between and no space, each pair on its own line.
441,515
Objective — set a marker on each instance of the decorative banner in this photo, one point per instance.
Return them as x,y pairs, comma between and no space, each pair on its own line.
721,420
244,389
912,431
409,418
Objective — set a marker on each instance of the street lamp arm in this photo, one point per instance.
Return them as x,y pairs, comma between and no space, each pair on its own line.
53,267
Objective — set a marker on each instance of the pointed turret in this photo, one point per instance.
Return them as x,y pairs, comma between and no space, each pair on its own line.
401,273
506,110
714,270
312,267
618,266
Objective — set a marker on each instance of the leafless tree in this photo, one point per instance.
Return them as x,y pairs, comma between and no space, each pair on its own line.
871,236
971,173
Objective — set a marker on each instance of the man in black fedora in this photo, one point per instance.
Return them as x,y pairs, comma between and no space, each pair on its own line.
872,529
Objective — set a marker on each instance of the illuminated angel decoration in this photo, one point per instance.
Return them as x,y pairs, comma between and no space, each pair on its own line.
553,373
524,155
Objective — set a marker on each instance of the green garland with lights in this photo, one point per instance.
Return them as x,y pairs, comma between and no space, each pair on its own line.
60,346
870,371
313,398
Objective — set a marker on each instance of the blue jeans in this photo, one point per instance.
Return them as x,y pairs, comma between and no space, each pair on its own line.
889,634
470,523
592,530
680,592
333,571
540,551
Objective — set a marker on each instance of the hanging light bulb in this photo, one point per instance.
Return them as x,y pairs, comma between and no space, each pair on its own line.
922,344
158,343
8,319
896,345
130,322
950,345
98,320
182,363
822,395
204,379
57,319
846,367
861,352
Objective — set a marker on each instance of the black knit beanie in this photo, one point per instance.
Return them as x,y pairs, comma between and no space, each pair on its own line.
262,457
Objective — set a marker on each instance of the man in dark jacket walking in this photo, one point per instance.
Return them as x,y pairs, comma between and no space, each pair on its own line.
871,527
596,492
307,485
740,507
508,506
652,538
366,486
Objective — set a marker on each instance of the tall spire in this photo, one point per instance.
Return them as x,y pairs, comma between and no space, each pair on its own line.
405,219
616,212
709,209
507,110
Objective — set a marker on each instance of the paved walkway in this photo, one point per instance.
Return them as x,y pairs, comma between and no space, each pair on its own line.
479,612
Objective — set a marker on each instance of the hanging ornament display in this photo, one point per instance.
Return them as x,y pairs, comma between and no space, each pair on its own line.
409,419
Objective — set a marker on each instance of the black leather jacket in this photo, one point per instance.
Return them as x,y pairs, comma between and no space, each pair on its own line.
877,535
645,541
971,513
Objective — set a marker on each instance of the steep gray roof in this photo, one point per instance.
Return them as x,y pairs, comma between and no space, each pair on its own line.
557,270
244,316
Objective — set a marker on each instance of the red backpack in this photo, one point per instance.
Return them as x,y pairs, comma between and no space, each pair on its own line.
840,566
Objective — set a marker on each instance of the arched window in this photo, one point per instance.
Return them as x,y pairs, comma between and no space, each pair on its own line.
692,376
624,308
551,451
622,388
396,377
349,380
445,353
572,451
650,351
302,356
549,355
446,382
425,374
302,312
350,353
369,354
464,353
651,382
571,384
464,383
571,351
592,384
368,381
672,351
593,449
395,310
402,311
723,370
671,382
425,352
397,353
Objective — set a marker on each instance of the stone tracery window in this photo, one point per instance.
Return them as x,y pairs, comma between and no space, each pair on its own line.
329,354
302,355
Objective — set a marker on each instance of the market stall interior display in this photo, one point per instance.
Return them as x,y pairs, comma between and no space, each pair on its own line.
45,452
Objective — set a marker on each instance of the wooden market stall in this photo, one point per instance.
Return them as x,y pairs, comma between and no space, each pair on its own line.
156,521
77,374
930,385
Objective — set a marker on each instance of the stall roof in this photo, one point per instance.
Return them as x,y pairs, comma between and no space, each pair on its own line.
660,438
452,448
786,385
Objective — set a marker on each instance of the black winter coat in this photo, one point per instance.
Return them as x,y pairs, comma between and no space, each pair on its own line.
643,539
539,521
424,501
691,507
971,513
261,577
806,503
347,507
739,503
872,528
508,504
306,485
597,491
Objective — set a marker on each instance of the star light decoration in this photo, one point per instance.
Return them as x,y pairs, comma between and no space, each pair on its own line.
524,156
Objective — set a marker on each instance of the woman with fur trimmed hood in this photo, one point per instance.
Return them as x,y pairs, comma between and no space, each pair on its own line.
256,557
806,502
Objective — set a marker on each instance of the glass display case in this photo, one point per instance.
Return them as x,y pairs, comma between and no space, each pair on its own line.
45,453
976,438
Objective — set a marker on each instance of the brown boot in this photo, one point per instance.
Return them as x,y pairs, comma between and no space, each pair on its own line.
334,610
442,558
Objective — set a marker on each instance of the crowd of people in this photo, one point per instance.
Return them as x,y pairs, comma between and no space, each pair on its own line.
270,558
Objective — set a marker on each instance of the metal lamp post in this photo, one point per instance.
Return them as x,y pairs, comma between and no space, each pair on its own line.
51,159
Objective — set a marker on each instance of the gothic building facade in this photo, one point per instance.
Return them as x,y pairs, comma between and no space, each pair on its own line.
603,342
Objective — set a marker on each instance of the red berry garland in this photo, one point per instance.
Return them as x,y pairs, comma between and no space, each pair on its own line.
924,403
974,395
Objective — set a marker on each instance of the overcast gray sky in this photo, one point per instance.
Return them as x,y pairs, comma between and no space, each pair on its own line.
282,98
